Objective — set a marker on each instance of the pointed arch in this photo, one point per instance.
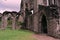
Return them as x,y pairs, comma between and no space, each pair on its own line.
9,23
43,24
42,27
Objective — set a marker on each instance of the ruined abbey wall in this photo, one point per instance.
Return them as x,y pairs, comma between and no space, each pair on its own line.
50,10
12,19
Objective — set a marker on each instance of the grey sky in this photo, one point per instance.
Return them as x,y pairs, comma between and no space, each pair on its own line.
9,5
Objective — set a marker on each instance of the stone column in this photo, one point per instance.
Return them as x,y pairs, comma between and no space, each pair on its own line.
13,24
4,22
24,6
28,22
35,9
2,26
35,23
58,4
28,6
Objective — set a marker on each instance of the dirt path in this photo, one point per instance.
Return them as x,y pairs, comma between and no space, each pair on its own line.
43,37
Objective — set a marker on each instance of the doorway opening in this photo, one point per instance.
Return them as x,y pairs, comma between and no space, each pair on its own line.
9,25
44,24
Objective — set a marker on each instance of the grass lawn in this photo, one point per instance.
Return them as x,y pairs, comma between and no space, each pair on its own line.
16,35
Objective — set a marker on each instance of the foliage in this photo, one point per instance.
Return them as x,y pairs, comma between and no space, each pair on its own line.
9,21
20,23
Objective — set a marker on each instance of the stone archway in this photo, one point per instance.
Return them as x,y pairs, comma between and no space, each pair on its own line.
43,24
9,23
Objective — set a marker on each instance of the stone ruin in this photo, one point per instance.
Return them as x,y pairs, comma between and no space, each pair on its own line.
45,17
11,19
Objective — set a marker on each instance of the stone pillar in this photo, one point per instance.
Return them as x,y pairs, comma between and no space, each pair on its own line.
13,24
28,6
24,6
35,9
28,23
52,27
4,22
35,23
58,24
39,24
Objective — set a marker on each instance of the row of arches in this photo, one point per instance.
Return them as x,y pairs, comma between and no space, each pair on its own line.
8,20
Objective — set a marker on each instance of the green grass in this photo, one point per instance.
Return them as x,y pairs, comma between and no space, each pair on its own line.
16,35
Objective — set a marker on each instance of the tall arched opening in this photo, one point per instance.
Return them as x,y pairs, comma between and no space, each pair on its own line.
44,24
9,23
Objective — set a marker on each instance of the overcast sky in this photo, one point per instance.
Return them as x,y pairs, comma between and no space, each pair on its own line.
9,5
